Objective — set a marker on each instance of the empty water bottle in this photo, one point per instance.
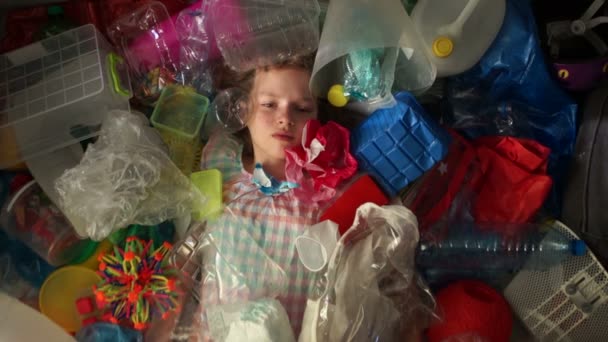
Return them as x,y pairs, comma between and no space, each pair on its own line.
252,33
488,250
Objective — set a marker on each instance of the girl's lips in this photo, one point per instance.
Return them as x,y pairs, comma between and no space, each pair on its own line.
283,136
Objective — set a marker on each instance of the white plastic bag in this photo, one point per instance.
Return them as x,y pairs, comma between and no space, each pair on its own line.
124,178
370,287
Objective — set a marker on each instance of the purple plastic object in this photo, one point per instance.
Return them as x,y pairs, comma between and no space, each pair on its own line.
582,76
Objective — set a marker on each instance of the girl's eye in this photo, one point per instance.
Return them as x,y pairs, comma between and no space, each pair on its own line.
304,109
268,105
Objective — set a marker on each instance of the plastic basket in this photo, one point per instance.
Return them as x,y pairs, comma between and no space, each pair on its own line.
179,116
565,303
56,92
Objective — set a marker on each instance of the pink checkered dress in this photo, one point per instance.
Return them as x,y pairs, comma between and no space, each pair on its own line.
255,226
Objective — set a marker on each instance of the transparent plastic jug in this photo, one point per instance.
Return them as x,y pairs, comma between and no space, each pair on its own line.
457,33
250,33
353,26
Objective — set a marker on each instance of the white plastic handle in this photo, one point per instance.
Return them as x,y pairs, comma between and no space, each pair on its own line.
454,29
593,8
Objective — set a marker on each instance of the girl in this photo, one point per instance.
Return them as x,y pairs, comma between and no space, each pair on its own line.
263,228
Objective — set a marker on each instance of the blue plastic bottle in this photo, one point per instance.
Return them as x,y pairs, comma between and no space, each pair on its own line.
490,251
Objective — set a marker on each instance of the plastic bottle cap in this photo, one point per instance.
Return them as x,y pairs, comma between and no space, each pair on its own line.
54,10
579,248
336,96
443,47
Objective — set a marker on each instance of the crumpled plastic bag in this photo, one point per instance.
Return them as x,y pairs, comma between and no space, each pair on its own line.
492,179
322,162
370,291
124,178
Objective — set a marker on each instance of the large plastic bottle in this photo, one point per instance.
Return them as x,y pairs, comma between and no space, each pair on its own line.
251,33
56,23
484,250
457,33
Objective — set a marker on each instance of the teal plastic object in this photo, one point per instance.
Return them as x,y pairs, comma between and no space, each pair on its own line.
363,74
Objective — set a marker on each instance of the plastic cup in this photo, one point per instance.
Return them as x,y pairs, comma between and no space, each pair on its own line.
31,217
60,291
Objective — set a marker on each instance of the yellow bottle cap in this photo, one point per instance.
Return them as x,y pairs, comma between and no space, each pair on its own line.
336,96
443,47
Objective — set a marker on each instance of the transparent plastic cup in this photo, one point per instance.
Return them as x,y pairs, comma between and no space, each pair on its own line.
250,33
457,33
31,217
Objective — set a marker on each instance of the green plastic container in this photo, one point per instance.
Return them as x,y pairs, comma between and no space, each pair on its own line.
209,182
179,116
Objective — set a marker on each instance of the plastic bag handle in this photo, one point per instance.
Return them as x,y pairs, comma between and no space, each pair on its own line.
454,29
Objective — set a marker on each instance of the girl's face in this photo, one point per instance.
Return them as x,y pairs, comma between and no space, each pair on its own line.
281,104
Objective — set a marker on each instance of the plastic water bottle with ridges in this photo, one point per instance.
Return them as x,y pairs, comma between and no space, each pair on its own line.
489,250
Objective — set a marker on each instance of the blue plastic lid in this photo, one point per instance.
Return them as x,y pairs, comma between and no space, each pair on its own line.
579,248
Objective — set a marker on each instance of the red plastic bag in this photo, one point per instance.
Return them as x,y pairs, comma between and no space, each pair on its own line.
442,183
321,162
21,27
512,182
489,180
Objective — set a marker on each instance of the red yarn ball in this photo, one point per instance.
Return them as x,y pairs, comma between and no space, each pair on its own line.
471,307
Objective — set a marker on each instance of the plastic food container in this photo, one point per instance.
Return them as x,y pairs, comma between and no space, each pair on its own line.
56,92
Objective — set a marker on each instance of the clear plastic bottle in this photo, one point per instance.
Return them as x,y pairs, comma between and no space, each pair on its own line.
251,33
483,251
362,78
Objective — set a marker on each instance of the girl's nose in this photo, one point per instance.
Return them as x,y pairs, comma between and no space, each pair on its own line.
284,116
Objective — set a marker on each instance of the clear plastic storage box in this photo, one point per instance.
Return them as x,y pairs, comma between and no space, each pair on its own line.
56,92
